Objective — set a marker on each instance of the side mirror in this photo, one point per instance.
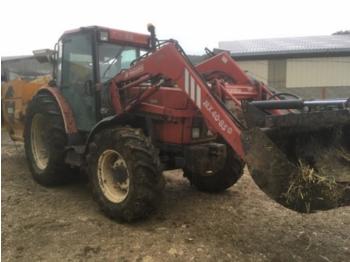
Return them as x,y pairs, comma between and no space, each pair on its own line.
44,55
89,88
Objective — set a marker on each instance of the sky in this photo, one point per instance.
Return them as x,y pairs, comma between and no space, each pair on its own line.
37,24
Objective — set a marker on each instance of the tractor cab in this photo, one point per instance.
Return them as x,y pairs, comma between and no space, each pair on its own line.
88,57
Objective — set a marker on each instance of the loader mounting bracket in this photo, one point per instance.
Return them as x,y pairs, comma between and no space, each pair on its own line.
205,157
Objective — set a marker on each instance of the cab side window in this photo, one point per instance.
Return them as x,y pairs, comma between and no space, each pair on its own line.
77,67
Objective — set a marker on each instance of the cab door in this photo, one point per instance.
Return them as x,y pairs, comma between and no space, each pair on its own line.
76,77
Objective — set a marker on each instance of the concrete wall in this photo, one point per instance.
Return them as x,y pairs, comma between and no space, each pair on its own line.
318,72
327,77
257,68
277,73
319,92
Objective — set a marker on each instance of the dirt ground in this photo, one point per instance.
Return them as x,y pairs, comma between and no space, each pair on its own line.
242,224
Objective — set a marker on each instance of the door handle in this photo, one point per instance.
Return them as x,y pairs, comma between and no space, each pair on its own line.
88,88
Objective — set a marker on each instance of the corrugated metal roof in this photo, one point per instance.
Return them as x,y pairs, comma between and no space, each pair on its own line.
285,46
11,58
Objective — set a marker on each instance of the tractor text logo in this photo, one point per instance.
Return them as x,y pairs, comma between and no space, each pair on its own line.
217,118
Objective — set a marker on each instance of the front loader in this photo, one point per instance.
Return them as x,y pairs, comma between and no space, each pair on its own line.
126,106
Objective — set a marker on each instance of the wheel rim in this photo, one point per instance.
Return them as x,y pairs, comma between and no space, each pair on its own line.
113,176
39,142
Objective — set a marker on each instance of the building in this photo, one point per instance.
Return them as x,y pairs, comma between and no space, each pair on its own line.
311,67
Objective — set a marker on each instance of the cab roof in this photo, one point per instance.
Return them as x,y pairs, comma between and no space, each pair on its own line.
116,35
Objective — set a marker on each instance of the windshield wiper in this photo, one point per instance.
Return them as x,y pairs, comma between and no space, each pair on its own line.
114,59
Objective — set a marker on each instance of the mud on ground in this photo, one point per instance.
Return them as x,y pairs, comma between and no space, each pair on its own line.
242,224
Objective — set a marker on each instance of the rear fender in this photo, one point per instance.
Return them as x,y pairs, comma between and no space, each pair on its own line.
66,111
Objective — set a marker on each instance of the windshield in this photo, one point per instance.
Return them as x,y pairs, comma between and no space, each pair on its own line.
113,58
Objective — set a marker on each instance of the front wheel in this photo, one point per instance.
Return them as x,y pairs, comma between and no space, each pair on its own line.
124,173
217,181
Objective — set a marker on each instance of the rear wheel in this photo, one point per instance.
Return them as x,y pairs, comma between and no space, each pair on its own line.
124,173
45,140
218,181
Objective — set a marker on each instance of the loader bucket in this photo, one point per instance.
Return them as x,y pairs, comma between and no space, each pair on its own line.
302,160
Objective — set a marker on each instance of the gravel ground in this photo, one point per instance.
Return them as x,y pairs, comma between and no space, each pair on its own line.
242,224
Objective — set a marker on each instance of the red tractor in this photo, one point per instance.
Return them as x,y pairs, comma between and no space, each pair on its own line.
125,106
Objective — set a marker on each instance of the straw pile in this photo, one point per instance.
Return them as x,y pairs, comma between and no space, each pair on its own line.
310,190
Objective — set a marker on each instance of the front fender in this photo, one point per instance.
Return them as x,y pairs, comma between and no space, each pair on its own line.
110,121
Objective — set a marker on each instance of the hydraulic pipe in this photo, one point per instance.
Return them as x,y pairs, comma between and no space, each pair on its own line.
334,102
299,104
278,104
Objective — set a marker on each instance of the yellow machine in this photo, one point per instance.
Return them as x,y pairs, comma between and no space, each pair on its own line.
15,95
21,77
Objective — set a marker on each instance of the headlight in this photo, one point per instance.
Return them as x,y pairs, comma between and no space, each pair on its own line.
104,36
195,132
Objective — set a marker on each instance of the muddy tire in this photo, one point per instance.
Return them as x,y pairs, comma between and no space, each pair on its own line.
124,172
220,180
45,140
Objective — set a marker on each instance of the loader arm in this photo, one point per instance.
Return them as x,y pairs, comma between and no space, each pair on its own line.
168,62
